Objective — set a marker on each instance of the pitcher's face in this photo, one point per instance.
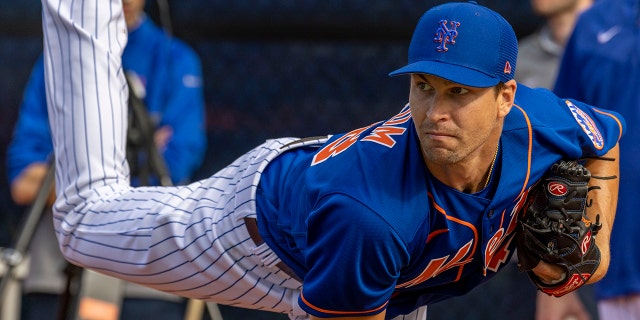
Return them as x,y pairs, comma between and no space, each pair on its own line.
454,121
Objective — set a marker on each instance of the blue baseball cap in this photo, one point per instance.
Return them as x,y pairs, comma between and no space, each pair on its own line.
463,42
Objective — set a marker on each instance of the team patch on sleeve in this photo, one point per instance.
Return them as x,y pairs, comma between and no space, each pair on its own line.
587,124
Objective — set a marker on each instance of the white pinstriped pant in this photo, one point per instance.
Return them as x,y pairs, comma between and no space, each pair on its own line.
188,240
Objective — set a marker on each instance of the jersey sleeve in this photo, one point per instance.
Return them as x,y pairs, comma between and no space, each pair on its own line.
354,259
567,127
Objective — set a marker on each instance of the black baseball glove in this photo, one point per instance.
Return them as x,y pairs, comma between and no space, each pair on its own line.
554,227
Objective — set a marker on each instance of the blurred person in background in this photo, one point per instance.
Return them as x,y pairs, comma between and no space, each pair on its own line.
171,78
601,66
539,53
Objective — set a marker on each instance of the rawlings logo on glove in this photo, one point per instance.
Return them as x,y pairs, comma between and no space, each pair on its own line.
554,228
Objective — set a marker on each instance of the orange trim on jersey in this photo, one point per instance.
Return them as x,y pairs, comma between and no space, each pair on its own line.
614,118
400,118
462,222
529,149
341,312
438,265
435,233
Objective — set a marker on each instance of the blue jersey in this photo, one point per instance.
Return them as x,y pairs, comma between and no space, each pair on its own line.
374,200
602,67
171,74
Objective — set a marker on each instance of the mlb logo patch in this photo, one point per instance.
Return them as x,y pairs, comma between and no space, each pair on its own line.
587,124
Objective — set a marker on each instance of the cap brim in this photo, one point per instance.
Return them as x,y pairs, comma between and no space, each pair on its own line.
457,74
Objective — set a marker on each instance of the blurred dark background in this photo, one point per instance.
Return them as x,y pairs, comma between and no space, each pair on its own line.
275,68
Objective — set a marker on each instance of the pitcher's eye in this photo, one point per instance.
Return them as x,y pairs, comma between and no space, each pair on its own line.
459,90
424,86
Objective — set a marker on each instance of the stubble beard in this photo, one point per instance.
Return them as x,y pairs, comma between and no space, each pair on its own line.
440,156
